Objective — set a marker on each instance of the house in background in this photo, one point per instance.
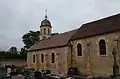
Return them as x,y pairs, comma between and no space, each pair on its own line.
88,48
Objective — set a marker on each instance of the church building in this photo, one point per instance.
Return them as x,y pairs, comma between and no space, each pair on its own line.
88,48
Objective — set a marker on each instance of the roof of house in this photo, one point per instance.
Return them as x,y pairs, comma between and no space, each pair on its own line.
99,27
53,41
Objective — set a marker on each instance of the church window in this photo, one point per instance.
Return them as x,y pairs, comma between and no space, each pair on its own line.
53,58
48,31
79,49
42,58
102,47
33,58
44,31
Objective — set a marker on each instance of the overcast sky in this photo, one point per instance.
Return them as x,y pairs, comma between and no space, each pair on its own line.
19,16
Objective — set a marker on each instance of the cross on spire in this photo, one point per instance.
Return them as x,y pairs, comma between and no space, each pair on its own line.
46,14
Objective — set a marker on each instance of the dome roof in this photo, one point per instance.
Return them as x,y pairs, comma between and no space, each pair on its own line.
45,22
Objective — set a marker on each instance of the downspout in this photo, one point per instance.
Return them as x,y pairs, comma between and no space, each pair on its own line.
71,52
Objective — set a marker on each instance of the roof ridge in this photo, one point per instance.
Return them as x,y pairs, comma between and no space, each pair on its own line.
69,31
118,14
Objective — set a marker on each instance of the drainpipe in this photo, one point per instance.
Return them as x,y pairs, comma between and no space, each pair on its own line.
71,52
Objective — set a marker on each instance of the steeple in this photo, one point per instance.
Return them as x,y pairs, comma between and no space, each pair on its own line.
46,22
46,14
45,28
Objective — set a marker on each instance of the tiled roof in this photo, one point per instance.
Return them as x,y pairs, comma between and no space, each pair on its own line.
102,26
53,41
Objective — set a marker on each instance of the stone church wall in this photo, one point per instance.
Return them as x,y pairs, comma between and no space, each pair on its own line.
60,65
99,65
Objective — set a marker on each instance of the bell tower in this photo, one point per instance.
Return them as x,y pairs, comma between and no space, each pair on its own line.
45,28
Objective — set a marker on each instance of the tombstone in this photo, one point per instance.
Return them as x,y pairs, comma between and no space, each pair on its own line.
73,71
37,75
26,74
8,75
48,72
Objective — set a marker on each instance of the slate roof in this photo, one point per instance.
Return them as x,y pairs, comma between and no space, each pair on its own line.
99,27
53,41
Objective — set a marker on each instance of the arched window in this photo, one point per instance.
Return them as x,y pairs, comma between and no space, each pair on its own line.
33,58
42,58
102,47
44,31
79,49
48,31
53,58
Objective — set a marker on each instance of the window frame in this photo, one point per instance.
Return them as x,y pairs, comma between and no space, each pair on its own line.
48,31
33,58
79,49
44,31
42,58
52,57
102,47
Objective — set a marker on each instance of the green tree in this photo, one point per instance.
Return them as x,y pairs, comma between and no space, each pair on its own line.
13,50
23,53
13,53
2,55
7,55
30,38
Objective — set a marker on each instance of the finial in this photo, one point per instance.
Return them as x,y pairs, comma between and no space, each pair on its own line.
46,14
